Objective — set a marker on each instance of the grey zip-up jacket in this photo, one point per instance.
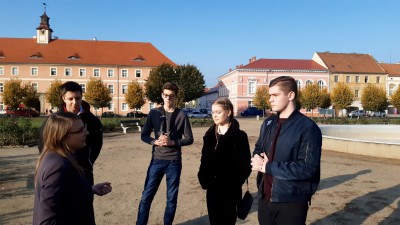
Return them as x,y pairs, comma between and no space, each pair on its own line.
296,165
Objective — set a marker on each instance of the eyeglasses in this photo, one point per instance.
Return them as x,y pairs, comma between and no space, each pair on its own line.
82,130
168,96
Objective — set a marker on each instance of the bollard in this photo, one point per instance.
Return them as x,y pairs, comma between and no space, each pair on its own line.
258,117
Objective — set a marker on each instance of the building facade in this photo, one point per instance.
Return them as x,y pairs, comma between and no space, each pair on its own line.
356,70
44,59
240,84
392,82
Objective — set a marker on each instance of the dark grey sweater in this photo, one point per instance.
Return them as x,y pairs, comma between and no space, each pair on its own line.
180,131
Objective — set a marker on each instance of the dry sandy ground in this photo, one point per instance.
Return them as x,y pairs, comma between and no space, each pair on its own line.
353,190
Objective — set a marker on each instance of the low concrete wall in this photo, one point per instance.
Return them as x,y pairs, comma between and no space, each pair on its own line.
371,140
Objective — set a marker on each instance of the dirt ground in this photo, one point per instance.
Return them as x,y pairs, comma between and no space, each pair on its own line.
354,189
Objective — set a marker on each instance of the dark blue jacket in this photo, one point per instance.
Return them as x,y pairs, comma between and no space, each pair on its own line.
62,196
296,165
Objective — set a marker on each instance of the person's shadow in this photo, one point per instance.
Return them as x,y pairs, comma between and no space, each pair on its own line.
336,180
359,209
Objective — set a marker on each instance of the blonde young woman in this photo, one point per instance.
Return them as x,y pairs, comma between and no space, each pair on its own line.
63,194
225,164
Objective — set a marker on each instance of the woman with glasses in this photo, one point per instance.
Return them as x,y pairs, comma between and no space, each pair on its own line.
225,164
63,193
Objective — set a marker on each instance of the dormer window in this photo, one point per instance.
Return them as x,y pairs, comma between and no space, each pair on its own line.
74,57
139,59
1,55
36,56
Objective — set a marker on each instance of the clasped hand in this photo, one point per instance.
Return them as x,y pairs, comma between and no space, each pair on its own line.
259,162
164,140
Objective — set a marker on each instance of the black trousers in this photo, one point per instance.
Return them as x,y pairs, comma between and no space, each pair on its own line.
221,206
281,213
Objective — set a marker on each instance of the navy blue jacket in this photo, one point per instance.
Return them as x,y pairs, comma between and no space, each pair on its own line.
62,196
296,165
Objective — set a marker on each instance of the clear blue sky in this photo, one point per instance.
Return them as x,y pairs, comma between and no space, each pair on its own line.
216,35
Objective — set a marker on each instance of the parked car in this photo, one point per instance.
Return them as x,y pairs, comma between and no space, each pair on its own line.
377,114
22,112
197,114
206,111
187,110
252,111
109,115
136,114
357,113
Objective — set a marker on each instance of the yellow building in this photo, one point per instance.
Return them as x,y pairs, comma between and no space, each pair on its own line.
356,70
44,58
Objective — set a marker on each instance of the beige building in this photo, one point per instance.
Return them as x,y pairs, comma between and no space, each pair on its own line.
392,82
43,59
356,70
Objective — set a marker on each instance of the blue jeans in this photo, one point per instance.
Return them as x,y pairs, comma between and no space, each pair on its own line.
172,169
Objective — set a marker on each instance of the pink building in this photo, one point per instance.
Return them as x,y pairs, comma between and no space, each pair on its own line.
240,84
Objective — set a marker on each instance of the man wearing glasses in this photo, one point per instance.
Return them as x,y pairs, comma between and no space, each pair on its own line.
71,93
172,130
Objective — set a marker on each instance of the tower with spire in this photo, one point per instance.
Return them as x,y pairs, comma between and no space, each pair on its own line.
43,31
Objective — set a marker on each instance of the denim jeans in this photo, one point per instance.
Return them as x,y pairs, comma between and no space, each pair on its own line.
172,170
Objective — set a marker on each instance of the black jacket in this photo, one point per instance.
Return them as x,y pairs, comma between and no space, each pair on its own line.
296,165
62,196
225,161
94,140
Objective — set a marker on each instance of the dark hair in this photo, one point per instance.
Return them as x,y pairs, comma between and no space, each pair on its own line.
286,84
226,105
70,86
170,86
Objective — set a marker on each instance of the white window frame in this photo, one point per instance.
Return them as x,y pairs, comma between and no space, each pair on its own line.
110,106
321,84
356,93
138,73
82,72
68,71
96,72
348,79
378,79
1,70
55,71
309,82
110,72
357,79
124,106
299,84
83,86
35,85
124,73
336,78
124,88
34,71
366,79
1,87
111,88
2,106
252,86
15,71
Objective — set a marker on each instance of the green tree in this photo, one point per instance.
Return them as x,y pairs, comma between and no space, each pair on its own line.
157,77
373,98
135,95
31,97
191,83
342,96
53,94
97,93
261,98
13,94
395,99
187,77
325,100
310,97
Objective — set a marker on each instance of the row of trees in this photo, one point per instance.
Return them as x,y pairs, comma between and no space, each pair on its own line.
373,97
187,77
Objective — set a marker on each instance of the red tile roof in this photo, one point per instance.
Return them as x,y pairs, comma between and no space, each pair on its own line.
350,63
87,52
393,70
284,64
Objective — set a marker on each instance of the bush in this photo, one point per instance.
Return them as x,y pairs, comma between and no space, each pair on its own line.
17,131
